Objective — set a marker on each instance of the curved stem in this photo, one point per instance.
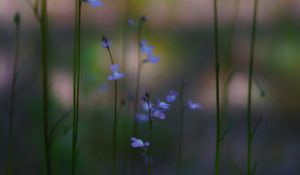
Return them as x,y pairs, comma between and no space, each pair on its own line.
249,106
217,69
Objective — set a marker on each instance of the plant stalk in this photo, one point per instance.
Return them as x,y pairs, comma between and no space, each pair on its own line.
76,83
250,78
12,99
217,70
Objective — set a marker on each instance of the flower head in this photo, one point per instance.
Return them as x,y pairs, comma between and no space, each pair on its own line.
194,105
162,105
152,59
138,143
115,73
131,22
158,113
106,42
142,117
171,96
94,3
145,48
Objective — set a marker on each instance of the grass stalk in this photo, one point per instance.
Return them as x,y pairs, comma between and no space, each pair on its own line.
250,133
12,98
76,83
181,128
44,38
217,70
150,134
114,168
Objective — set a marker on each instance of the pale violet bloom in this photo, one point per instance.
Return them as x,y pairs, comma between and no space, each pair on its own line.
158,113
145,48
94,3
151,58
115,73
142,117
194,105
138,143
145,106
162,105
171,96
106,42
131,22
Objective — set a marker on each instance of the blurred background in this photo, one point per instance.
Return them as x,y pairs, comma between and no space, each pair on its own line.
182,33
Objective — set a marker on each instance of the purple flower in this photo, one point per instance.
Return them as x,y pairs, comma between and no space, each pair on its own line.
171,96
142,117
145,106
138,143
162,105
94,3
131,22
115,73
194,105
151,58
106,42
145,48
158,113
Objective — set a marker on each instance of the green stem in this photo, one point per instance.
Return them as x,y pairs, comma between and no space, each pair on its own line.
182,110
12,99
249,106
44,37
115,120
76,83
217,69
150,137
137,87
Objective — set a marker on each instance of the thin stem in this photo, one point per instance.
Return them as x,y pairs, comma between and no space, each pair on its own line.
44,36
181,129
217,69
150,137
139,68
76,83
12,99
249,106
115,120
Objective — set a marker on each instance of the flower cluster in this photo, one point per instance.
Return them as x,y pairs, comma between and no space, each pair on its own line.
115,73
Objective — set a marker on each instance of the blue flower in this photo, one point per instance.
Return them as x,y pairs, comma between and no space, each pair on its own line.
142,117
194,105
94,3
131,22
145,48
145,106
151,58
106,42
155,112
171,96
138,143
162,105
115,73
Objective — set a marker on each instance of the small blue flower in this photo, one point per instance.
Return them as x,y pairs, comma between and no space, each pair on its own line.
142,117
94,3
115,73
145,48
138,143
171,96
151,58
162,105
158,113
106,42
194,106
145,106
131,22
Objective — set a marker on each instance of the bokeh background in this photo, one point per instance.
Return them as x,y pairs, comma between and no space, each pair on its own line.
182,33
